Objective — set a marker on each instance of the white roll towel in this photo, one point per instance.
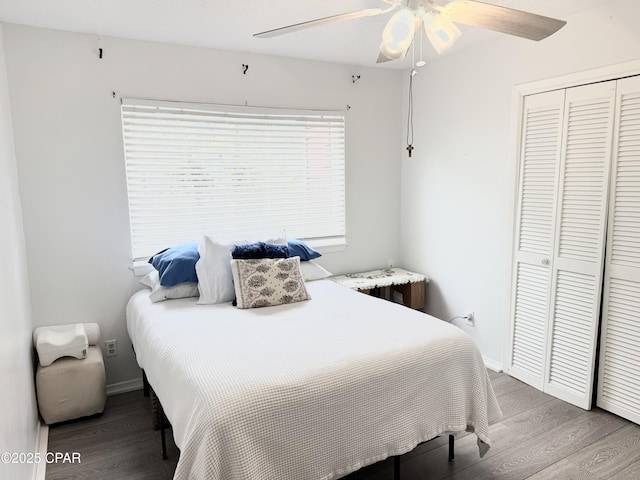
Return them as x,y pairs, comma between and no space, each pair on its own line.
56,341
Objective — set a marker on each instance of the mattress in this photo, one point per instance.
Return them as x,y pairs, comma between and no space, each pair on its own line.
312,390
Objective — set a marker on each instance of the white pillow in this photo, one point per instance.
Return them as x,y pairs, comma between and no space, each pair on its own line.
160,293
151,279
215,280
312,271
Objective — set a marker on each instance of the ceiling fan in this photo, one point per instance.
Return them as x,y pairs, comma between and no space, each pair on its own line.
438,21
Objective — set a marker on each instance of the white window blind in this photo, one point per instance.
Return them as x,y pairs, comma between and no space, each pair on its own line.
195,170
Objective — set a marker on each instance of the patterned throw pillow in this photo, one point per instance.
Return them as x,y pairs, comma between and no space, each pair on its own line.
264,282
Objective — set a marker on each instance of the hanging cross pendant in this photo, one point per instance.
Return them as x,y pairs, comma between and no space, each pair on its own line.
409,149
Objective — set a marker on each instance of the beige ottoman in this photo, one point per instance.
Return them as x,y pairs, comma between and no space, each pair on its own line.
72,388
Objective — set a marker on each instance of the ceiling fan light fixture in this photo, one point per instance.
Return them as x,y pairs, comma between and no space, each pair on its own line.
398,34
441,32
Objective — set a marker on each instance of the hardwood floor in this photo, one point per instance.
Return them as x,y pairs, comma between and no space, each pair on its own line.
538,438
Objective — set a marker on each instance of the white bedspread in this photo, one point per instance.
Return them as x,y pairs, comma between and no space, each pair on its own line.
306,391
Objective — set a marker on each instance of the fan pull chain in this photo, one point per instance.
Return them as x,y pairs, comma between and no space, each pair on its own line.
410,114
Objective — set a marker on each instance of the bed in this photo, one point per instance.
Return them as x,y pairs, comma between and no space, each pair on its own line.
311,390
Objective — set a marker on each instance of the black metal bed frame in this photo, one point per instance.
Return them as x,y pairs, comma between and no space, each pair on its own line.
146,389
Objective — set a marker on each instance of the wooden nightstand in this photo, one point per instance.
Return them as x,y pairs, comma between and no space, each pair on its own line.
395,284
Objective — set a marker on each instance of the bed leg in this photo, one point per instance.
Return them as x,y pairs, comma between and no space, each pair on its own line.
396,467
450,447
162,432
145,384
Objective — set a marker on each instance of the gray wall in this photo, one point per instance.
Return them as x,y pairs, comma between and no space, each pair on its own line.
18,411
71,169
458,189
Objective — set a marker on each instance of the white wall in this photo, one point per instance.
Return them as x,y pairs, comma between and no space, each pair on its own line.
18,411
457,190
71,168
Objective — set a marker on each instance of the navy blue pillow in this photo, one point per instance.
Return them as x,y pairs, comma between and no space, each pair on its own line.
176,264
297,248
260,250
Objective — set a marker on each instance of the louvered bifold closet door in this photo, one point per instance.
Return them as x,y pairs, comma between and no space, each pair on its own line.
619,371
540,148
580,242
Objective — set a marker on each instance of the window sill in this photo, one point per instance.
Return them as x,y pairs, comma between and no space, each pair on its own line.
141,268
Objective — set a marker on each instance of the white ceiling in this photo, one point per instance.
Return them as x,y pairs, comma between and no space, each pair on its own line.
230,24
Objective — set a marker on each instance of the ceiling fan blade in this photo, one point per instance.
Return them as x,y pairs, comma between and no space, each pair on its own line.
369,12
502,19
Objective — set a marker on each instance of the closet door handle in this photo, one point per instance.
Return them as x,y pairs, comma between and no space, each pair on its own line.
545,261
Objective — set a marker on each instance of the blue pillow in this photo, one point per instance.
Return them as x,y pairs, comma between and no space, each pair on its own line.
297,248
176,264
260,250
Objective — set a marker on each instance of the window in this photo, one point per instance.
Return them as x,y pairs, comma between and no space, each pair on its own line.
195,170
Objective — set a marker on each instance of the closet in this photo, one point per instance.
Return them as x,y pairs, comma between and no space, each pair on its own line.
576,263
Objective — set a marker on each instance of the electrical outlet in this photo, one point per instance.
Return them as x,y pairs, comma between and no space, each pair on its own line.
470,319
111,346
390,262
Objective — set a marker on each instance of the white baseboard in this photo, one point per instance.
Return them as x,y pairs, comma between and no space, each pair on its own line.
42,442
492,364
124,387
